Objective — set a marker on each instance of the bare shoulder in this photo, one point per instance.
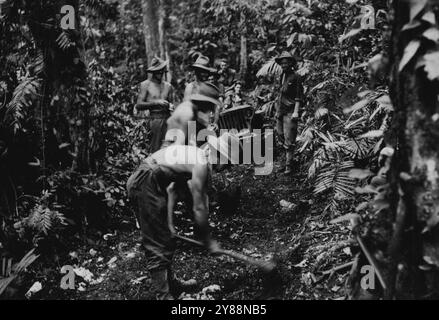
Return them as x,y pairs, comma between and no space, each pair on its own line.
184,110
182,158
145,84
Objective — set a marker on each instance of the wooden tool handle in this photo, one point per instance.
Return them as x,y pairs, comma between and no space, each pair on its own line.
266,266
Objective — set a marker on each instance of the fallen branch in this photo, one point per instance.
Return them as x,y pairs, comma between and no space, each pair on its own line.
343,266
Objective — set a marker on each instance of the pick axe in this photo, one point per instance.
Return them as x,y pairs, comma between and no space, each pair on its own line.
265,266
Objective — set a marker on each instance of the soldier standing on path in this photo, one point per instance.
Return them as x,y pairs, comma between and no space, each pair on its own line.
288,107
156,96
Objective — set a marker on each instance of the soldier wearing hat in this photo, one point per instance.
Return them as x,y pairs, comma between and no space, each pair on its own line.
198,110
170,172
288,107
156,96
202,73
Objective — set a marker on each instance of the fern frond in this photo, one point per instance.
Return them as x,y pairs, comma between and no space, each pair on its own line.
46,221
23,97
37,64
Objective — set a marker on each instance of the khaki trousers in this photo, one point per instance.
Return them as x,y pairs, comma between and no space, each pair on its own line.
287,133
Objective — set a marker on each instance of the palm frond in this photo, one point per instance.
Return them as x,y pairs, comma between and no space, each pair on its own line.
335,177
357,148
21,266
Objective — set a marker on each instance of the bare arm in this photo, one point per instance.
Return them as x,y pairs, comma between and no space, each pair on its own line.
142,97
198,187
296,110
187,92
179,121
217,115
171,98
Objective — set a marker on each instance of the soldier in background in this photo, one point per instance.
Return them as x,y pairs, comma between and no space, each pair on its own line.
234,96
199,109
226,76
156,96
202,73
288,107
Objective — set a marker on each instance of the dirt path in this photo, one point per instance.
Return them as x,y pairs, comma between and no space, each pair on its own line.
300,240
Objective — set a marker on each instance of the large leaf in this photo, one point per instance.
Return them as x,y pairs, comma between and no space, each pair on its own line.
411,25
416,7
350,34
372,134
431,34
270,68
385,102
360,174
409,53
359,105
431,61
429,17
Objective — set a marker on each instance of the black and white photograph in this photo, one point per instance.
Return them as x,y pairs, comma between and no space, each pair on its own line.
220,155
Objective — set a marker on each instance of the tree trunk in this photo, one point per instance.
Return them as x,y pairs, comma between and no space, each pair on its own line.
415,200
151,28
164,12
243,55
155,13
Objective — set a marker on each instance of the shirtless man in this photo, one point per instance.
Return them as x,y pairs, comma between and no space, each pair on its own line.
156,96
198,109
181,169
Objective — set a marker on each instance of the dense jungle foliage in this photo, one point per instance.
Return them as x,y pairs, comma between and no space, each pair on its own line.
68,138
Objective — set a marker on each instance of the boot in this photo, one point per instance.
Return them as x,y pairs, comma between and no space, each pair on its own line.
160,284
